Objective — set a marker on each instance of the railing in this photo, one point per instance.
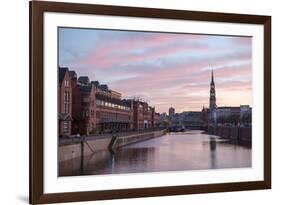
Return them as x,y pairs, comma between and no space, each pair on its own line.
78,139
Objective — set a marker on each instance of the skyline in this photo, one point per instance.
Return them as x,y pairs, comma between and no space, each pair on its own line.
162,68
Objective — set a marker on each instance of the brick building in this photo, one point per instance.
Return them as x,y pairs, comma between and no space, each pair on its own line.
143,115
88,110
113,114
65,102
156,119
88,107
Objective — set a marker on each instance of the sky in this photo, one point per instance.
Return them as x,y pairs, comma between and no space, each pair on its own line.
164,69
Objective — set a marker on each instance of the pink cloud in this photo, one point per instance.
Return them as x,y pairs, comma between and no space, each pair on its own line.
109,53
184,83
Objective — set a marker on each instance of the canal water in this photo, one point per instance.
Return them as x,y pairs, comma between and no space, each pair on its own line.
190,150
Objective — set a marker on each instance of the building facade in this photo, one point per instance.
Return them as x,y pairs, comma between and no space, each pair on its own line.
112,114
143,115
65,102
88,107
77,118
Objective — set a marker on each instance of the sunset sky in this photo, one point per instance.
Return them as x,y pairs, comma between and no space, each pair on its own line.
162,68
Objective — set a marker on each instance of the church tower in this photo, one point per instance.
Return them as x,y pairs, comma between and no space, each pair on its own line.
212,104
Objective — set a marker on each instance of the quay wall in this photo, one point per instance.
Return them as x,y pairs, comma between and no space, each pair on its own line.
88,147
239,134
71,151
125,140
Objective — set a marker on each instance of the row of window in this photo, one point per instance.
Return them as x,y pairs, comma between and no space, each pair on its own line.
66,96
112,105
66,107
85,113
65,127
66,100
113,116
66,83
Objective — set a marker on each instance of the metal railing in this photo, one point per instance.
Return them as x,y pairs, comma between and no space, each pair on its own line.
78,139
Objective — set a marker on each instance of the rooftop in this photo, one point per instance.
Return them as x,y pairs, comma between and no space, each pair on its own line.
86,88
84,79
62,71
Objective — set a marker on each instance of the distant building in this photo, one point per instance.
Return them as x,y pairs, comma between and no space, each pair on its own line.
238,115
143,115
246,115
164,120
226,114
192,117
156,119
205,114
188,118
172,112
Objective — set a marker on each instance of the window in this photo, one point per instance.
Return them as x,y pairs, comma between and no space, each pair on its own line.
65,96
66,101
98,102
66,83
86,99
65,127
65,107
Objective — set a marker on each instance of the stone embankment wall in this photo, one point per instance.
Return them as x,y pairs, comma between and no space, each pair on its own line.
239,134
122,141
71,151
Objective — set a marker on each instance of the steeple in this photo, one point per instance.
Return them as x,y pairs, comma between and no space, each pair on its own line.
212,104
212,80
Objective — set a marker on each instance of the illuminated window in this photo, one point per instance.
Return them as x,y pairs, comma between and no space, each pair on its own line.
65,127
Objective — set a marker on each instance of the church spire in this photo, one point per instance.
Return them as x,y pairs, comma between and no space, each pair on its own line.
212,80
212,104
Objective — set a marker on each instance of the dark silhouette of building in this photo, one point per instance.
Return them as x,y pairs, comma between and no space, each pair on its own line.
172,112
212,102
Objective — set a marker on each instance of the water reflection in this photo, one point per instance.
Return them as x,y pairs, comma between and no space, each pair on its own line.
191,150
213,145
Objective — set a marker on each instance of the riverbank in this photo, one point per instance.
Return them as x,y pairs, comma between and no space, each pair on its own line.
75,148
238,135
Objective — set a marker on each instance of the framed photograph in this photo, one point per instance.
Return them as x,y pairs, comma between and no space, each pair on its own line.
138,102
